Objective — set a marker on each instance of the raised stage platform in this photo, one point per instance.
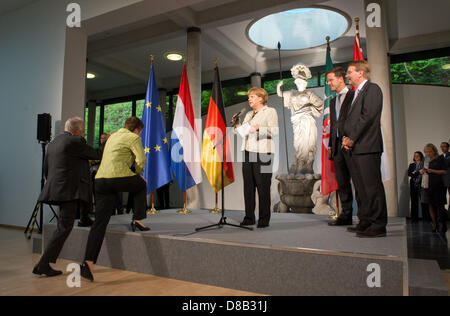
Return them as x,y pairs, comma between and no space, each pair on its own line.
297,255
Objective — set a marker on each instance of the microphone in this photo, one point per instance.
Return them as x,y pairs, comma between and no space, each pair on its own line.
236,116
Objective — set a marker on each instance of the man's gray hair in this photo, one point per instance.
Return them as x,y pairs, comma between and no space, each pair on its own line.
73,124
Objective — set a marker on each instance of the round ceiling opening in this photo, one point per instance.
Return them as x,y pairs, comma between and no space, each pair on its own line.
299,28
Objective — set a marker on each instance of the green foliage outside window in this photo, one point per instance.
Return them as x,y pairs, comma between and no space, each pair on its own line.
429,71
116,115
97,125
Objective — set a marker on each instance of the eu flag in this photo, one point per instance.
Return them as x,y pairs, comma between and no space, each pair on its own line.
154,140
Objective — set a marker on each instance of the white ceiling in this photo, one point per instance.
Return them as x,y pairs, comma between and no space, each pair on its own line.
121,57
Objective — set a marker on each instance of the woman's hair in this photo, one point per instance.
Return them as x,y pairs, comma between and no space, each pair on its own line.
260,92
420,154
132,123
432,148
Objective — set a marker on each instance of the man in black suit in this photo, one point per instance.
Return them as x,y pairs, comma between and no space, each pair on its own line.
363,140
66,168
339,106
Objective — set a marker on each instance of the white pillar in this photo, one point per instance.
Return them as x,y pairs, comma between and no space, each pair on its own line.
194,72
74,77
92,106
377,53
255,80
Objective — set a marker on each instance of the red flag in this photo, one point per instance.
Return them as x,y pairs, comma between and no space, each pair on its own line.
357,51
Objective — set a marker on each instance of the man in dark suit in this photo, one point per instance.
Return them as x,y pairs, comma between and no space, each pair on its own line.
339,106
66,168
363,140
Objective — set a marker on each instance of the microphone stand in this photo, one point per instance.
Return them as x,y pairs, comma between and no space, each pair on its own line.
223,220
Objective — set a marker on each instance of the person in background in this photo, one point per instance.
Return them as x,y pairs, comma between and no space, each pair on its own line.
436,192
123,149
415,184
66,169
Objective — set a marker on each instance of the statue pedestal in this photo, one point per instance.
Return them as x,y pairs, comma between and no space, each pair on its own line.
295,192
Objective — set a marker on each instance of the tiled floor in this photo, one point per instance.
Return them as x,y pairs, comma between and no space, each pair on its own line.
423,244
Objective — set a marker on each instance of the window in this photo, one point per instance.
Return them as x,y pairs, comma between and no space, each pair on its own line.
97,124
140,108
433,71
116,115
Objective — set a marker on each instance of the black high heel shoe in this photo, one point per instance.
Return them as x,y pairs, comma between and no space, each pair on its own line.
85,272
135,225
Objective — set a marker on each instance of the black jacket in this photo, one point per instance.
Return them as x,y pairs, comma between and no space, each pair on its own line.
66,169
339,124
363,121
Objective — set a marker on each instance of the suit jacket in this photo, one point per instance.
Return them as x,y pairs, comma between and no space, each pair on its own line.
66,168
363,121
339,124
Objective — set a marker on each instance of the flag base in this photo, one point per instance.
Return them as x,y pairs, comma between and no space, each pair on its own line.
152,211
184,210
215,210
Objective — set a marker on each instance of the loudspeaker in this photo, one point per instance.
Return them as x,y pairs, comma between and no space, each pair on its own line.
44,127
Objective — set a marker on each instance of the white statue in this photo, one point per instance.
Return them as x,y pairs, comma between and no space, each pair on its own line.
304,106
323,205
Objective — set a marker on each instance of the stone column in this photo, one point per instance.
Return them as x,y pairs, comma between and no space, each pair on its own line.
255,80
377,54
74,77
92,105
194,72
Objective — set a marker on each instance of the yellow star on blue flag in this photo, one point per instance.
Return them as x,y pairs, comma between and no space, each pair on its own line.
157,170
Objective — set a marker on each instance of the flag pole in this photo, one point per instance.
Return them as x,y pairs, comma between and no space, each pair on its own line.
152,210
184,210
216,210
284,116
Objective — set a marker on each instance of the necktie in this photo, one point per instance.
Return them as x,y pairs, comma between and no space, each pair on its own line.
338,106
355,96
338,110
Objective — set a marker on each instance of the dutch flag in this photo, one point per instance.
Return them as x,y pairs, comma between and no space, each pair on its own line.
184,145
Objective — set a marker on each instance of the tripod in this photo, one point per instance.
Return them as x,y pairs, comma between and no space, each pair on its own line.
39,205
223,219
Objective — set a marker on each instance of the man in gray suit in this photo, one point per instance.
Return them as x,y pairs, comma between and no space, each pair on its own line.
363,140
66,168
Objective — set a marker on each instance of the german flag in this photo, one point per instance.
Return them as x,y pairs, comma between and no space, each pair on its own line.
215,129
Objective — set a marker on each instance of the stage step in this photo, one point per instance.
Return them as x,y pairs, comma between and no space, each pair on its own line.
425,278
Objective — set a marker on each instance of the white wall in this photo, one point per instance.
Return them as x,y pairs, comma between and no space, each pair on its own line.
421,116
31,63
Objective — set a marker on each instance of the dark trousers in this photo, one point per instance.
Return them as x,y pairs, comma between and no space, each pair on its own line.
106,192
255,170
414,193
67,214
367,179
342,165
